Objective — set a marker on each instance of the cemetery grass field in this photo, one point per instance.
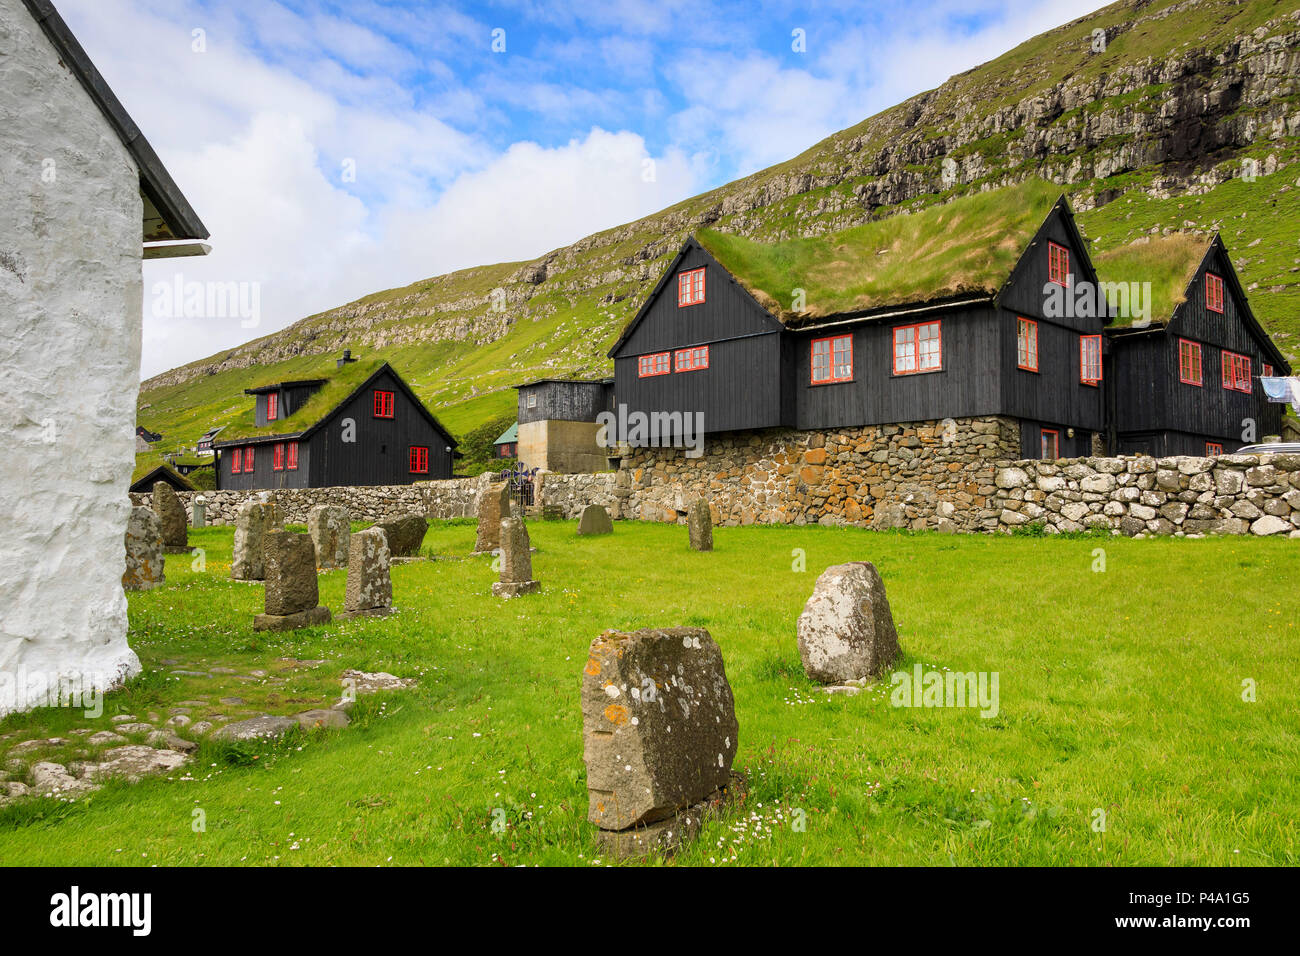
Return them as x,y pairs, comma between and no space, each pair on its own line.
1120,690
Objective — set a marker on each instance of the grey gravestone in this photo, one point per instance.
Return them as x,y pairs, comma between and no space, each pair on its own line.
330,531
595,520
170,511
256,519
370,587
199,506
144,551
659,732
493,505
700,524
516,561
291,589
405,534
846,631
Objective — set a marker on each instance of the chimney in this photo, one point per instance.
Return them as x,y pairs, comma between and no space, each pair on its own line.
345,360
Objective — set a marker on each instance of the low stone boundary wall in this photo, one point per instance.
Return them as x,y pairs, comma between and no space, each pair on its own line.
1230,494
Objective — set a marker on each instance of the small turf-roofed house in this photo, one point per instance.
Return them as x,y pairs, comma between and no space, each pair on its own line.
148,473
86,199
358,425
983,306
1184,374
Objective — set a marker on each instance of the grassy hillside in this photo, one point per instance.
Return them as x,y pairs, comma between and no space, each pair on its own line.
1146,137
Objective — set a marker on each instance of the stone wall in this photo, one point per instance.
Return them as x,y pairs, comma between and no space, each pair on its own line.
1231,494
916,475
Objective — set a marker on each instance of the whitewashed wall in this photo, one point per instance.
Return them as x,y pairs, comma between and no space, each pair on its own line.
70,306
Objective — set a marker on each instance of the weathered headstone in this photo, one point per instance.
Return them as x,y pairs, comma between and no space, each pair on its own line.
256,519
493,505
144,551
330,532
595,520
516,561
405,534
370,587
846,631
659,735
167,505
291,589
199,509
700,524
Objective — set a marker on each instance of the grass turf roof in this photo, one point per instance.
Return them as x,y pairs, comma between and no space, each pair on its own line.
1167,262
339,384
968,245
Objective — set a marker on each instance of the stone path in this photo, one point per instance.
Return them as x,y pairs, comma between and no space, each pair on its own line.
69,767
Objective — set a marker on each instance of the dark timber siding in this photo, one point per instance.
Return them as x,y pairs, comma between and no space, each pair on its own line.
563,401
264,474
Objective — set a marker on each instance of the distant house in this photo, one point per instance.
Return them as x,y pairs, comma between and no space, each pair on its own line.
359,425
1186,382
507,446
948,313
204,445
557,429
146,477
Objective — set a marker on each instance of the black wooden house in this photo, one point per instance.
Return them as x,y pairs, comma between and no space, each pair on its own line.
1013,329
360,425
1185,380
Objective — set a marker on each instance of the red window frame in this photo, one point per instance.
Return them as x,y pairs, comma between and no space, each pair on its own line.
1025,358
1056,444
277,457
248,458
1058,263
1214,292
1266,370
237,461
1236,372
838,347
272,406
692,359
1084,365
912,339
656,363
1213,448
690,287
384,402
293,456
1189,363
418,459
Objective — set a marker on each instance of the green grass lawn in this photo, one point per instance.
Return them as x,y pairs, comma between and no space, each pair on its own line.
1120,690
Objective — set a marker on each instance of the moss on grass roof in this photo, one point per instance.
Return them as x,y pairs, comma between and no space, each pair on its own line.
967,246
339,384
1167,262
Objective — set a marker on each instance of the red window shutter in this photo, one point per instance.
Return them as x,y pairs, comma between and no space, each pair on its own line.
272,406
236,461
248,458
419,460
277,457
293,456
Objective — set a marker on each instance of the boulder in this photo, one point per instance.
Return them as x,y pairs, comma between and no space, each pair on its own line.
493,505
846,630
404,533
699,522
144,551
171,514
595,520
659,724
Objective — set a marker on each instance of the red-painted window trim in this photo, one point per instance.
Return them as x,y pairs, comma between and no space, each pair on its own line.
1266,370
272,406
692,359
1213,448
418,459
1083,360
656,363
912,339
293,456
1189,363
248,458
236,461
1058,263
1214,292
1056,443
838,348
1236,371
277,457
690,287
1027,358
383,404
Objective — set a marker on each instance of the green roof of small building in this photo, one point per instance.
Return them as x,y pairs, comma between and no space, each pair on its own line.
509,436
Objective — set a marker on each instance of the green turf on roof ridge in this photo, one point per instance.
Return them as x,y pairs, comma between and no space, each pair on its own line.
1168,263
339,384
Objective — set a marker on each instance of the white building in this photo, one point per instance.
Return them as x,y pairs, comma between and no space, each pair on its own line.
84,196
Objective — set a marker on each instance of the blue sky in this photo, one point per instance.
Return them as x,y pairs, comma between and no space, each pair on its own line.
338,148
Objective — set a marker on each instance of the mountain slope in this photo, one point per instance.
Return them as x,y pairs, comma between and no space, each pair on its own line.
1148,135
